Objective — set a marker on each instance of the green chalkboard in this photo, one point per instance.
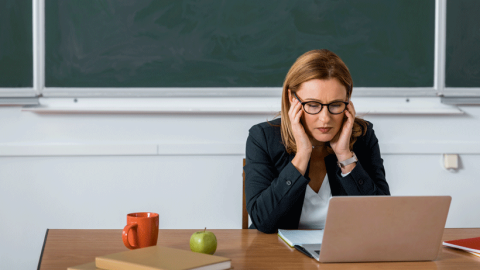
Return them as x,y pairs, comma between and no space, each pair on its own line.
248,43
16,53
462,67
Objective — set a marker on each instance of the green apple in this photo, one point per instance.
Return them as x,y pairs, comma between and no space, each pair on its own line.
203,242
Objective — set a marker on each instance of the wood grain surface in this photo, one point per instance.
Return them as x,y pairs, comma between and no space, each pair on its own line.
248,249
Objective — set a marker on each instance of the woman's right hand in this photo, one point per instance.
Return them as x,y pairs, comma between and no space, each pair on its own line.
304,146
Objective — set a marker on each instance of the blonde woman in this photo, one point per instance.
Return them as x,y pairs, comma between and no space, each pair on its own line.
316,150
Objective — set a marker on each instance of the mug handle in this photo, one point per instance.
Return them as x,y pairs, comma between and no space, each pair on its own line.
125,235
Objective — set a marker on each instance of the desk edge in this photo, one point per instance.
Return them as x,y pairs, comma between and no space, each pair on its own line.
43,248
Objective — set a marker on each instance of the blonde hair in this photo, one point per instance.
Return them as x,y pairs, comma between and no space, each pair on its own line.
317,64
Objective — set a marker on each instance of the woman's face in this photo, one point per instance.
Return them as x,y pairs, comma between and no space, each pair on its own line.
321,127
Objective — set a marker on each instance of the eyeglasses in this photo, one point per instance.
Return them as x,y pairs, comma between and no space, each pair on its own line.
313,107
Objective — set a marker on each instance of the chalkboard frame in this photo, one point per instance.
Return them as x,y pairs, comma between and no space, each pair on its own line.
455,94
39,88
12,94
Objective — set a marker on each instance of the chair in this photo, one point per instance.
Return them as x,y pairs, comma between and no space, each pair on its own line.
244,211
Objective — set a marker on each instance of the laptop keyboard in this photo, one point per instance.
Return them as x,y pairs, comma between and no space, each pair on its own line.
317,251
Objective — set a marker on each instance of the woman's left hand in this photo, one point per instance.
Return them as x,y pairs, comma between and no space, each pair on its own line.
341,142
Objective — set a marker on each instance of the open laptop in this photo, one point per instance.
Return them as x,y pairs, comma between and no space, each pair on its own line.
382,228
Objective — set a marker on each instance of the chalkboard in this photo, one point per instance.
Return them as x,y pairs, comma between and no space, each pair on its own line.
16,53
248,43
463,44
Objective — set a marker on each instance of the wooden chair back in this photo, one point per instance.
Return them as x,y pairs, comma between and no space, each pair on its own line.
244,211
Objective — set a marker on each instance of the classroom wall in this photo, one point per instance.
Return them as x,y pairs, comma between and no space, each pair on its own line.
89,170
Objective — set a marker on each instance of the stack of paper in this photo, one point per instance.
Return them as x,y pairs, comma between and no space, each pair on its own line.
156,257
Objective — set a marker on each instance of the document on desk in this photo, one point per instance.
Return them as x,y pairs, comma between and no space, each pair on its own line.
301,237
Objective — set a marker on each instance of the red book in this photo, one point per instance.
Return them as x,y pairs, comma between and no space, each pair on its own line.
468,244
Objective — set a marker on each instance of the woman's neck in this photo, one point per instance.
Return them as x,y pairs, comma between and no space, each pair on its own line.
317,144
319,151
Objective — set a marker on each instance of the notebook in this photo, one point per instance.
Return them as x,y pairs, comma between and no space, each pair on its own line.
301,237
475,253
467,244
380,228
87,266
161,258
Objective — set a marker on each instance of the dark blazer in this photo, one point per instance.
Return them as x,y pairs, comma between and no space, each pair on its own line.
275,190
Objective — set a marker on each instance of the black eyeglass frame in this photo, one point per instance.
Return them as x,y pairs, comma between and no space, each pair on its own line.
321,105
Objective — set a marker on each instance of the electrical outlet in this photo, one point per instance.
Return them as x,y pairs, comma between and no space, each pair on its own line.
450,161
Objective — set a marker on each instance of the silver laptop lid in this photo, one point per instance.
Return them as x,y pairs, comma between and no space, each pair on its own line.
384,228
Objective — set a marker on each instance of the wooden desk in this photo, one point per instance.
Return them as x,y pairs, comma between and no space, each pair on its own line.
248,249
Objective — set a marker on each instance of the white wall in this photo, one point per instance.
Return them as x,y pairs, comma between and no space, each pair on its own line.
90,170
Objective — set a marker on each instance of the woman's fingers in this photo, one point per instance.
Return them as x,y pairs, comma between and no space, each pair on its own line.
290,112
352,110
295,111
350,116
350,113
341,143
348,125
301,138
292,107
299,112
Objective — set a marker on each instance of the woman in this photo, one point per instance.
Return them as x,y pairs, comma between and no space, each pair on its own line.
317,149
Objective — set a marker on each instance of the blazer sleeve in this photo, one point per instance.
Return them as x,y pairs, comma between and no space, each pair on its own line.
368,176
269,194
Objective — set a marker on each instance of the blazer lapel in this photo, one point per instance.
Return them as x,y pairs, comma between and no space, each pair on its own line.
333,172
296,210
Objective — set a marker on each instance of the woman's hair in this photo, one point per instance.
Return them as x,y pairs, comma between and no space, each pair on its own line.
317,64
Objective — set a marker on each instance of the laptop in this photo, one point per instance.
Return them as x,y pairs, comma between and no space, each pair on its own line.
382,228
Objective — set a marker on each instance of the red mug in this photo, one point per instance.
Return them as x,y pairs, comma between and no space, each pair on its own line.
141,230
